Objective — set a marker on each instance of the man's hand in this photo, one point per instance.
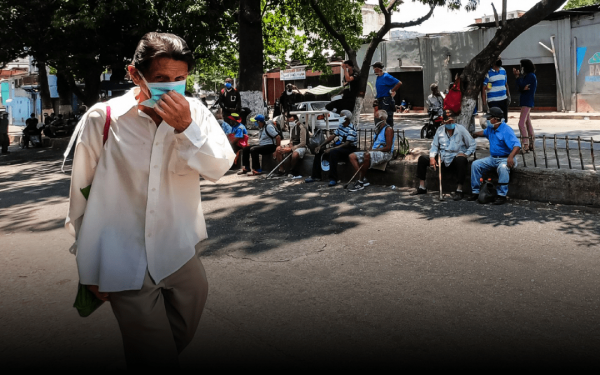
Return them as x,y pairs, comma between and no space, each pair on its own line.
461,154
433,163
510,161
327,151
317,149
516,72
174,109
101,295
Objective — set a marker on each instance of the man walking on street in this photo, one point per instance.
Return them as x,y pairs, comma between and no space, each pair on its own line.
386,86
229,99
4,140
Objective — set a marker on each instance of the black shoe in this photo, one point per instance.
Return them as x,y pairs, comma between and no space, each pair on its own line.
419,191
500,199
473,197
459,195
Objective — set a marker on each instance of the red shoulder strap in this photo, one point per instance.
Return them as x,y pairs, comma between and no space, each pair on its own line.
106,125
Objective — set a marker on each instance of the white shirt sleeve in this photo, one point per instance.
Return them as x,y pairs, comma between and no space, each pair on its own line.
203,146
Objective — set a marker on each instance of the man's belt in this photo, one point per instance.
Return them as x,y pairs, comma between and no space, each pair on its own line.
500,157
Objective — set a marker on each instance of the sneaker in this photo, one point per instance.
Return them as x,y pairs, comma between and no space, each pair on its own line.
310,179
500,199
459,195
332,183
243,171
473,197
419,191
296,177
356,186
364,182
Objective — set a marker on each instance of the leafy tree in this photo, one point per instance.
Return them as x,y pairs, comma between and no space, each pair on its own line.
580,3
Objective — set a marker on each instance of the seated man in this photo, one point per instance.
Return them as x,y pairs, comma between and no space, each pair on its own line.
268,140
344,146
31,129
454,144
380,153
504,145
298,139
238,132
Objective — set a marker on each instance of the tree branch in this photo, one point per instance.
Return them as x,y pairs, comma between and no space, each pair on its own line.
391,6
418,21
339,37
382,7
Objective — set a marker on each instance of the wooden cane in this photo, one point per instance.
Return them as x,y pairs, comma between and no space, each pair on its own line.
440,175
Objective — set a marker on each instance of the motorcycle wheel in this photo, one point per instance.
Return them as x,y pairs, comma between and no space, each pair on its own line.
423,131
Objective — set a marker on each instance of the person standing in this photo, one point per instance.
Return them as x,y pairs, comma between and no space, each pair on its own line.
4,140
495,88
289,98
346,144
527,84
348,100
137,229
229,99
386,86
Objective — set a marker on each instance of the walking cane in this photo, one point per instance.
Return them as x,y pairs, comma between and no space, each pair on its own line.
278,165
348,183
440,175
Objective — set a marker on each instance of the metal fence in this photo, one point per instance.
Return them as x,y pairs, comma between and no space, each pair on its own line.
365,138
559,152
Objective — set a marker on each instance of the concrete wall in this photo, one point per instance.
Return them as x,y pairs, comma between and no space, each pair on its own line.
579,79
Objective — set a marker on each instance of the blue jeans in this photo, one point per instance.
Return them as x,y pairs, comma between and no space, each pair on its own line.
388,104
479,167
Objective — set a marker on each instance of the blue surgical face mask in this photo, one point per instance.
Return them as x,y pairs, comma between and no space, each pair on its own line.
450,126
489,123
158,89
228,85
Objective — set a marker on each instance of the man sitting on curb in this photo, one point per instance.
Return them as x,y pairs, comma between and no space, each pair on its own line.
345,145
504,145
298,139
380,153
454,144
268,140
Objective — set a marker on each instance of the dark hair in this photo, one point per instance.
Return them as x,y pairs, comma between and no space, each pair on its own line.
349,62
155,45
528,66
295,117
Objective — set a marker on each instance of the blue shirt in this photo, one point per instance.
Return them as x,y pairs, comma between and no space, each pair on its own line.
239,131
498,80
502,140
346,134
384,84
226,128
526,99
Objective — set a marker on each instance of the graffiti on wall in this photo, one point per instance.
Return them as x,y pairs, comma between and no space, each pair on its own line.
588,69
594,65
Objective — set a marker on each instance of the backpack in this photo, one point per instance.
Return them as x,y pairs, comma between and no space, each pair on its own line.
487,191
277,129
453,98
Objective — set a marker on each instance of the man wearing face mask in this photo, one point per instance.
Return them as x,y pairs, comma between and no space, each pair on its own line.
386,86
495,88
454,144
504,146
299,136
137,228
229,99
288,98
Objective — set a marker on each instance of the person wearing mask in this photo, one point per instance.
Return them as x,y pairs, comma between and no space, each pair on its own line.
527,84
345,145
4,140
299,136
268,141
495,88
435,101
504,146
381,152
386,86
454,144
289,97
348,100
229,99
136,229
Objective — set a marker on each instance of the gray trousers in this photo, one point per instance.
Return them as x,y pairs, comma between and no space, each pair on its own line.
160,320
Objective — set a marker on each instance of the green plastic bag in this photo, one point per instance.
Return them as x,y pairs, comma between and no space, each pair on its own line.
86,302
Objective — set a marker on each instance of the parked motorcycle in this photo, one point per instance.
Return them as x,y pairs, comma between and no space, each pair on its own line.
431,125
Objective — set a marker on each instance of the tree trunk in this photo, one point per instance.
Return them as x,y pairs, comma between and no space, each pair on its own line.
251,56
44,87
471,79
90,94
65,94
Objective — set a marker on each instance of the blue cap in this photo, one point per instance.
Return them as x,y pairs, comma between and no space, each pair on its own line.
260,118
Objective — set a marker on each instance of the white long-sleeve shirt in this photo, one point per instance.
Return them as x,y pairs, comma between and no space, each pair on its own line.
143,210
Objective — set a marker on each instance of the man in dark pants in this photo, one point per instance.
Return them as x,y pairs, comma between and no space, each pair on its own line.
386,87
4,141
289,98
454,143
229,99
268,140
31,128
348,100
345,145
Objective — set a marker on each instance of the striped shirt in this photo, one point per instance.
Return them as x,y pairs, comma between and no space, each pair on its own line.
346,134
498,80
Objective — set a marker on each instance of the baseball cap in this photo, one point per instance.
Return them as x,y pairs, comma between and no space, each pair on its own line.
235,117
378,64
260,118
494,112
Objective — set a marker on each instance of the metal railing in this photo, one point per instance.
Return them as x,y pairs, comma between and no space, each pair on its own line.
365,138
557,152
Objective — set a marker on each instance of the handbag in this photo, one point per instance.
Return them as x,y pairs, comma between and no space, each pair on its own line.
86,302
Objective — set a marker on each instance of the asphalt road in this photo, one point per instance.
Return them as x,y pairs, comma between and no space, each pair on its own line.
303,276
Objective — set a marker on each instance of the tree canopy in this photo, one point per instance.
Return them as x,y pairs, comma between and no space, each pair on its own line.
580,3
